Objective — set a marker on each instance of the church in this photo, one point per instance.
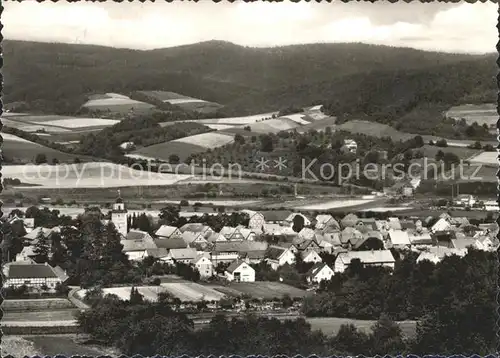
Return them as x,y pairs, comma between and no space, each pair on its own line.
119,216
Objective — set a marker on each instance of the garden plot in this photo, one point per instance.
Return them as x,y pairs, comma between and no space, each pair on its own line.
485,158
207,140
190,291
266,290
88,175
81,122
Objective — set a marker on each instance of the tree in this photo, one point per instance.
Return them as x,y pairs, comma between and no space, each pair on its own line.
55,161
349,341
239,139
298,223
286,301
169,215
386,337
40,158
42,248
143,223
442,143
173,159
439,155
266,143
135,296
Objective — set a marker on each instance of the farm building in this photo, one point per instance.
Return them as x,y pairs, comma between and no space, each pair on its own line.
277,256
307,245
324,221
232,250
367,258
275,216
169,244
419,238
136,243
231,233
197,228
278,230
256,219
159,254
443,224
254,257
191,238
204,265
167,232
372,240
33,275
319,272
119,216
310,256
240,271
248,234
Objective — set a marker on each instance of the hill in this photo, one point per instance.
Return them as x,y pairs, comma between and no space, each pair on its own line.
58,78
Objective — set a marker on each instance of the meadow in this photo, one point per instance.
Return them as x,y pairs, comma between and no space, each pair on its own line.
71,123
485,158
335,204
261,290
88,175
207,140
190,291
116,103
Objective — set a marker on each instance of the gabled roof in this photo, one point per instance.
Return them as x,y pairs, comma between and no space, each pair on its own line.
245,233
239,246
306,233
369,224
394,224
165,231
313,271
183,254
136,235
350,234
190,237
462,243
275,252
250,213
157,253
216,237
201,256
255,255
137,245
275,215
399,237
174,243
32,235
324,220
304,254
194,227
235,265
349,220
368,257
27,270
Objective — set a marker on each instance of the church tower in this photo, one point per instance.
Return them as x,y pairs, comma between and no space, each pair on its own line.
119,216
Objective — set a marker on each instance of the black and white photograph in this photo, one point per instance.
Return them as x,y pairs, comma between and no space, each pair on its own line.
249,178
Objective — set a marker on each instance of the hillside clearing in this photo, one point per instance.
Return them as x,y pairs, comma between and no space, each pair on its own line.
207,140
162,151
485,158
80,122
480,113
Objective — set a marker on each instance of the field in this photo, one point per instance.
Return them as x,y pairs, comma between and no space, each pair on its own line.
261,289
87,175
485,158
273,126
480,113
116,103
297,118
464,153
331,325
335,204
39,315
19,150
71,123
149,293
185,102
190,291
207,140
164,150
318,125
237,120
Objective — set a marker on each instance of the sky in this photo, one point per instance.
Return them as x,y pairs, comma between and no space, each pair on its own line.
462,27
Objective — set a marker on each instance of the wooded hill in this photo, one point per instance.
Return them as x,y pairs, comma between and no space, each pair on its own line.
57,78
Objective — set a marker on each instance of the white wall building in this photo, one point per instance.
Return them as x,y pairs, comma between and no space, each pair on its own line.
240,271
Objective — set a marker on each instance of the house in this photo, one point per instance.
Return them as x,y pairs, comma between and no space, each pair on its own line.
420,238
32,236
398,239
443,238
367,224
136,243
169,244
290,219
248,234
324,220
204,265
465,200
306,233
443,224
306,245
184,255
167,232
240,271
192,238
254,257
160,254
367,258
197,228
350,235
463,243
319,272
350,220
394,224
215,237
311,256
350,146
33,275
408,225
436,254
277,256
231,250
275,216
372,240
484,243
256,219
278,230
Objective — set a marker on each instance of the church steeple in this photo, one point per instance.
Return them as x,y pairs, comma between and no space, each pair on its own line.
119,215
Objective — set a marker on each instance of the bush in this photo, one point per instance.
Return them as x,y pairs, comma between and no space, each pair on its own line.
156,281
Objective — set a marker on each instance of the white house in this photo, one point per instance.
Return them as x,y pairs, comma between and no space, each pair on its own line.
136,243
437,253
319,272
33,275
465,200
240,271
367,258
167,232
484,243
350,146
185,255
277,256
310,256
256,219
204,265
324,220
443,224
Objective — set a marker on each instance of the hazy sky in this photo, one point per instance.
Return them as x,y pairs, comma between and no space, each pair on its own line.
436,26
